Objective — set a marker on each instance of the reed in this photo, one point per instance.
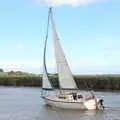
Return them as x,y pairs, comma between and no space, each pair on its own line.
87,82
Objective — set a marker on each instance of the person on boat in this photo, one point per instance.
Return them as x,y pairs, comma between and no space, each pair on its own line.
75,96
80,96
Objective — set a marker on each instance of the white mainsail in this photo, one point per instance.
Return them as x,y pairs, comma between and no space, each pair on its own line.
65,76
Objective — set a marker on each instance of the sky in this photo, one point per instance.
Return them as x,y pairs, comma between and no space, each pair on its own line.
89,31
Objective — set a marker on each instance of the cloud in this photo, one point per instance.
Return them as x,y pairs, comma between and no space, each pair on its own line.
18,46
12,48
66,2
25,64
83,66
32,66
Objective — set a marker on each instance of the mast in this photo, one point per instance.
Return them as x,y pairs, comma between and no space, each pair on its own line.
46,84
64,73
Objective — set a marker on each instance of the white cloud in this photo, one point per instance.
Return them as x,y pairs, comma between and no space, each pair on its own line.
24,64
18,46
12,48
19,63
83,66
31,66
66,2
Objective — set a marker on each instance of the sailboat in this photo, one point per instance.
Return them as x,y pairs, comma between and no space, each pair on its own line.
70,99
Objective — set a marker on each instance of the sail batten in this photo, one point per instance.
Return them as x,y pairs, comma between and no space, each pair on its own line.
66,80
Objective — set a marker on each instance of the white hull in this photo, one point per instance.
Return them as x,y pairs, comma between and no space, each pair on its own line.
80,104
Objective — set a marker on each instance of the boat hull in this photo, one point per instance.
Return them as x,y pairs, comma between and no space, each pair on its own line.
68,104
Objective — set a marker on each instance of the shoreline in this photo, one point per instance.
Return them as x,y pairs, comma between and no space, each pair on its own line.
84,82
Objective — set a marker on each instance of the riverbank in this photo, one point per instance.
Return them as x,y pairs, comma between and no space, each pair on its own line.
88,82
98,82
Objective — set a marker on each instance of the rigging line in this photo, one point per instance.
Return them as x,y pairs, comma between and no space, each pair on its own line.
87,87
46,38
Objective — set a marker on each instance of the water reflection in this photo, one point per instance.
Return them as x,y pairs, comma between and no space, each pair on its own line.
49,113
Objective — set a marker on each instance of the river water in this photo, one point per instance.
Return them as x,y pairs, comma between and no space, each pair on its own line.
25,103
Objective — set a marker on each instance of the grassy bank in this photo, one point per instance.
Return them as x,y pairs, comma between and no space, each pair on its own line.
94,82
88,82
98,82
20,79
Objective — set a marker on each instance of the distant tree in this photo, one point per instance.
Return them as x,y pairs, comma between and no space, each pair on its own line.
1,70
11,72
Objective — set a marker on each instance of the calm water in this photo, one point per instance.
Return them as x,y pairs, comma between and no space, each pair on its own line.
21,103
